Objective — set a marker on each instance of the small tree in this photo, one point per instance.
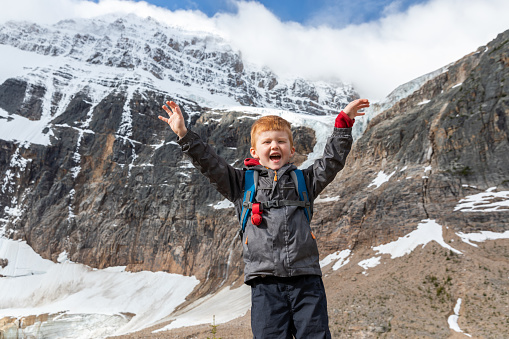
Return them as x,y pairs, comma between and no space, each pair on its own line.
214,328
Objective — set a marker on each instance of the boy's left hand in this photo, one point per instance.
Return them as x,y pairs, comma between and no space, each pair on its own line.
352,108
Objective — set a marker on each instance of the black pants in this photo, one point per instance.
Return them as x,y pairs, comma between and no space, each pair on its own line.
285,308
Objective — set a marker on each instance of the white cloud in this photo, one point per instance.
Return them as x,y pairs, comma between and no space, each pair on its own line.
375,57
393,8
52,11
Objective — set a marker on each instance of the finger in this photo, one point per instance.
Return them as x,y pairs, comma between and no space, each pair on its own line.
174,107
167,110
163,119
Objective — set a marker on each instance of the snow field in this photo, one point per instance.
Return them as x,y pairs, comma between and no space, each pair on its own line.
224,305
32,285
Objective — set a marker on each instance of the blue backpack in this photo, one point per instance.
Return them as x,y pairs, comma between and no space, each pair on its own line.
250,186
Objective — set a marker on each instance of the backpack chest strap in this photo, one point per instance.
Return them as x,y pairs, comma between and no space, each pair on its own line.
250,186
279,203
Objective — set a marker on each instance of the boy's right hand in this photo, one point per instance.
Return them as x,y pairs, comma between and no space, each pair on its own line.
176,120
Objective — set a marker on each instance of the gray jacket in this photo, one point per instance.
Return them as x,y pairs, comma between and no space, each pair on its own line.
282,245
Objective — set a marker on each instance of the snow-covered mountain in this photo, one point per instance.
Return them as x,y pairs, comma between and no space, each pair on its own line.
95,193
129,52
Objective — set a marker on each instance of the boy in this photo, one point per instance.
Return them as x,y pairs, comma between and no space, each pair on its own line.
280,252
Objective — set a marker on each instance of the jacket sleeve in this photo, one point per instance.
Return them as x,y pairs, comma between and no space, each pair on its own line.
324,170
225,178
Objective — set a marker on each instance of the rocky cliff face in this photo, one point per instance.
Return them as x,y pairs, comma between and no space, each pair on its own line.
111,186
418,159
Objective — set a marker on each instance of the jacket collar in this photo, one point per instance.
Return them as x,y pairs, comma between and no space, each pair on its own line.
251,163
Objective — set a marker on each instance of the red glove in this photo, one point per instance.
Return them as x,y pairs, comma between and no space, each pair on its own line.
343,121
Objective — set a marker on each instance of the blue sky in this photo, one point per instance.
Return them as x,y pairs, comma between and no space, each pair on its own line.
375,45
333,13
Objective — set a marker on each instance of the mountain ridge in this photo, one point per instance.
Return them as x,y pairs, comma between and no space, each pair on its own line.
205,62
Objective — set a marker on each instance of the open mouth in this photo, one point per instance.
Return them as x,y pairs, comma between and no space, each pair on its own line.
275,157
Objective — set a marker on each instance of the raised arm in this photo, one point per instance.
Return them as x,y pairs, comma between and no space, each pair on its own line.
226,179
338,146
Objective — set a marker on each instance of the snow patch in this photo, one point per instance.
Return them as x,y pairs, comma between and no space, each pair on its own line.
185,175
325,199
380,179
186,164
368,263
77,157
20,129
63,257
453,319
482,236
341,258
223,205
488,201
71,214
18,163
225,305
427,231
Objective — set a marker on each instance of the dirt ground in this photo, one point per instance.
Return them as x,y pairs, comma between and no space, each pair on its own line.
407,297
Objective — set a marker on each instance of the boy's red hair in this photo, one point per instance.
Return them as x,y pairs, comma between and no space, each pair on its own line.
270,123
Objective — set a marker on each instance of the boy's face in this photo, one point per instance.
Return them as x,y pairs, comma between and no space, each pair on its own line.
273,149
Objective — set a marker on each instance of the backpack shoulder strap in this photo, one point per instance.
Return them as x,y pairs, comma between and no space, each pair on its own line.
300,186
250,186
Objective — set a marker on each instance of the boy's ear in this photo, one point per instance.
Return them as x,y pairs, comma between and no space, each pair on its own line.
253,153
292,152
